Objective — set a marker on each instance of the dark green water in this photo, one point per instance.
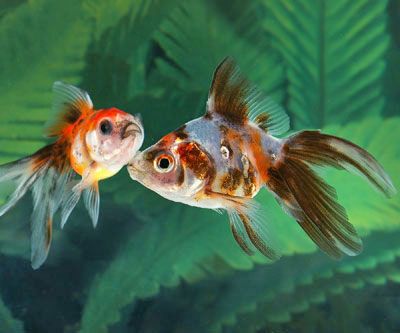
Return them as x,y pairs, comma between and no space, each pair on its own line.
156,266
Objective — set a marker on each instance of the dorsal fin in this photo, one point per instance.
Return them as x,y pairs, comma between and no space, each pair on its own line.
69,104
235,98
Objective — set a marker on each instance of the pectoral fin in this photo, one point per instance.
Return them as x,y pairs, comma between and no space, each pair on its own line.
72,195
91,198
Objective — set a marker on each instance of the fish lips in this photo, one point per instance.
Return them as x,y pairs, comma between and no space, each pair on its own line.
133,171
131,129
137,167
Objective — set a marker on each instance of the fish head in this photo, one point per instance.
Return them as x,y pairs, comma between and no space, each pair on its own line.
113,137
174,168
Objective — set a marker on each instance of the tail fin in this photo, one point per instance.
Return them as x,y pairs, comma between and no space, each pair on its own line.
48,182
17,171
311,201
314,147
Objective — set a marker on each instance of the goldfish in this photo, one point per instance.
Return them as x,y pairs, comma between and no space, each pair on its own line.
223,159
93,144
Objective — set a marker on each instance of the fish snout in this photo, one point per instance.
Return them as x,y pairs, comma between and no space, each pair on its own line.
131,129
135,167
132,170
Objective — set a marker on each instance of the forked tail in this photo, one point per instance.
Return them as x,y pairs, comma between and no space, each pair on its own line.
310,200
48,181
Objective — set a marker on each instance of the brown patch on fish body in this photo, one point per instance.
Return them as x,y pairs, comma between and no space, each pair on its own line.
223,129
262,121
196,160
231,180
181,177
250,182
181,133
208,116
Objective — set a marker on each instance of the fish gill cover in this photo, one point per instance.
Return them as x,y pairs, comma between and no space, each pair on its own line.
156,266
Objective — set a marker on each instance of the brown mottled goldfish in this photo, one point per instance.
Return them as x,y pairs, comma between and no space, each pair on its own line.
221,161
94,144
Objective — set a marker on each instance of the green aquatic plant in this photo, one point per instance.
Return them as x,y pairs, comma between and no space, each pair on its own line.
324,61
185,35
271,294
335,55
123,42
316,281
57,54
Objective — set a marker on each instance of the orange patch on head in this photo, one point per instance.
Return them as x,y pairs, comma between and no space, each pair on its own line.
168,140
111,112
99,115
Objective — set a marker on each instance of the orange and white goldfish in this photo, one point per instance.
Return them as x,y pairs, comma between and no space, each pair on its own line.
94,144
221,161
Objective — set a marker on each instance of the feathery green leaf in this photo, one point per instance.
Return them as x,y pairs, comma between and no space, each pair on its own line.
197,36
49,48
334,53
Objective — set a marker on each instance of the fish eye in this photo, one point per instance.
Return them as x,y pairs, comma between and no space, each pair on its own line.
164,163
106,127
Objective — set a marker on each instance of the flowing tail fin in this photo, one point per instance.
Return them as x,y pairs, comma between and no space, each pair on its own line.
48,180
310,200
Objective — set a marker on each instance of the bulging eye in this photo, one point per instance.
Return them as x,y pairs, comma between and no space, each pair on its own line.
106,127
164,163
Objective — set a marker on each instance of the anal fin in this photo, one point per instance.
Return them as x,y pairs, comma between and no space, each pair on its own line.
69,201
250,228
239,233
73,193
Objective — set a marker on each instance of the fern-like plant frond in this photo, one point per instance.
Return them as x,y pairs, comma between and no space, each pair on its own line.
377,266
197,36
121,49
33,61
335,57
270,294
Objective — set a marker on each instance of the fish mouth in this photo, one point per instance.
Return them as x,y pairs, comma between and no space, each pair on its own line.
132,170
131,129
136,167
